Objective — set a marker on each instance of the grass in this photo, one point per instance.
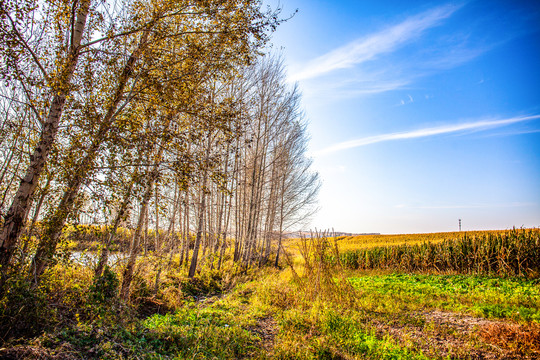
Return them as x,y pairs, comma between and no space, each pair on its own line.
314,310
201,333
490,297
412,315
328,333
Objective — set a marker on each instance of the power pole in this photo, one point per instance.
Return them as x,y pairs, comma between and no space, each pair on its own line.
459,224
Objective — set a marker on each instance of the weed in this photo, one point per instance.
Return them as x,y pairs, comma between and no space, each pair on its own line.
513,298
105,287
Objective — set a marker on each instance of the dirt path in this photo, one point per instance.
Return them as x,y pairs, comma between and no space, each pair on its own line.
267,329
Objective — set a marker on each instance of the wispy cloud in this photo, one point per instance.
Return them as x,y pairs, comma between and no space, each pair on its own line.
405,102
426,132
352,88
369,47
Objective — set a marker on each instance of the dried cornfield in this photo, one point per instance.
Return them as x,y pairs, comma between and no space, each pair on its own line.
512,253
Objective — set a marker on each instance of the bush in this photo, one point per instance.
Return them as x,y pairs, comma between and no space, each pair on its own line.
24,311
202,286
104,287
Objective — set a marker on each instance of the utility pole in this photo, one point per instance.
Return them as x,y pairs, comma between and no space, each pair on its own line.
459,224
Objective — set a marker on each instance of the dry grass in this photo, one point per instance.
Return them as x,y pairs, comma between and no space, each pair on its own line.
519,340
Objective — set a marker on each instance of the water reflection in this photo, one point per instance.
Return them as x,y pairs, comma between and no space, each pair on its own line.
90,258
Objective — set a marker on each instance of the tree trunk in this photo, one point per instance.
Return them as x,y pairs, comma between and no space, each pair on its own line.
168,240
53,227
194,258
281,209
135,242
151,179
104,256
16,215
37,210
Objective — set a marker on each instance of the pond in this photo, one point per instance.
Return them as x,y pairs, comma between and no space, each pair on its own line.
90,258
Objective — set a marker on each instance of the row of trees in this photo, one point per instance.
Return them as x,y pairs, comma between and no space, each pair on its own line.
141,112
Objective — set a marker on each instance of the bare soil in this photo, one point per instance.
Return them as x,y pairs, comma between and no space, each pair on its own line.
267,329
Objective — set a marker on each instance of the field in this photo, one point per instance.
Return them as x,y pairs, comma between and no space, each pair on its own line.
315,307
370,241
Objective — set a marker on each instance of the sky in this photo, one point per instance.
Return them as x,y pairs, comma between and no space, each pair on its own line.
420,113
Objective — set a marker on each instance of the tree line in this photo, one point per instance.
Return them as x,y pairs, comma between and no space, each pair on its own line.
143,114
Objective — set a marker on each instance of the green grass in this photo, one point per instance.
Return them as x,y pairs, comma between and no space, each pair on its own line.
326,332
309,324
206,333
493,297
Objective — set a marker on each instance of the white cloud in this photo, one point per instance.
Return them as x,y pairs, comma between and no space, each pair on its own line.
369,47
432,131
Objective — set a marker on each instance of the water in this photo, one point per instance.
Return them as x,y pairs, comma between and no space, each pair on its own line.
90,258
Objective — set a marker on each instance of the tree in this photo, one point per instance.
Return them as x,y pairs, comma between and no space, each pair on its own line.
17,47
195,39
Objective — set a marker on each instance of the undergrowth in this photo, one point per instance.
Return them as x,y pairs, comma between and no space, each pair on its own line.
316,308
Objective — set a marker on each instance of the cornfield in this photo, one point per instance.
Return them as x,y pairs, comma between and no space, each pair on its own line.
512,253
356,242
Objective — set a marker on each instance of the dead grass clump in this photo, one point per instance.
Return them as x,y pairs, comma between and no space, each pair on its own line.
31,352
522,340
278,294
323,277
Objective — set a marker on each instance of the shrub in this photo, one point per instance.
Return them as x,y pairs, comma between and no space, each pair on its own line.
24,311
104,287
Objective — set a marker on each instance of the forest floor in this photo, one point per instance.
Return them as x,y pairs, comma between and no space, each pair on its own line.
276,315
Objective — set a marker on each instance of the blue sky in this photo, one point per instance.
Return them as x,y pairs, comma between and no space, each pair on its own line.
421,113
